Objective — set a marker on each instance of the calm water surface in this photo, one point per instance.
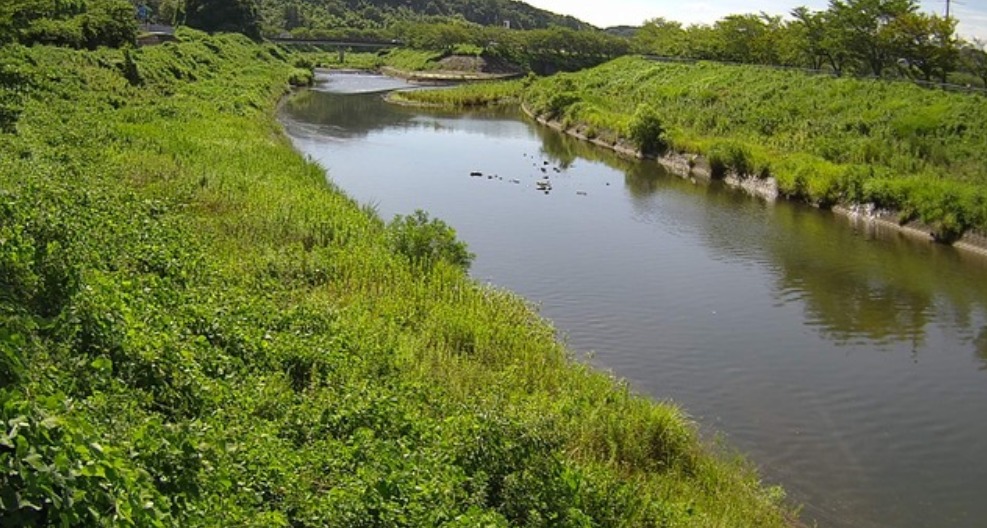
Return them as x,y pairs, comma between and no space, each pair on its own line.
849,363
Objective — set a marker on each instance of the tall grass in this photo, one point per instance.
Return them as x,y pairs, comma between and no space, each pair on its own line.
464,96
198,330
827,141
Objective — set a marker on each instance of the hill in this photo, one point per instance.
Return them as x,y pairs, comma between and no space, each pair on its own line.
286,15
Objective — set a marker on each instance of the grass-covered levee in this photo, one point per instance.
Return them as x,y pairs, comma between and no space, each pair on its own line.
827,141
197,330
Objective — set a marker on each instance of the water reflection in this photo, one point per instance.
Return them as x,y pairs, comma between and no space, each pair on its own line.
858,283
981,347
357,118
641,177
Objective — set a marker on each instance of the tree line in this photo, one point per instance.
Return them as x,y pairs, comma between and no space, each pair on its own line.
546,48
277,17
882,38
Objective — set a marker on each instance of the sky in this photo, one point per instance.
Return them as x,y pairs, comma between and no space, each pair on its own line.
972,14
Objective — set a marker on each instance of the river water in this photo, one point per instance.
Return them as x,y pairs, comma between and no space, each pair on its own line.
847,362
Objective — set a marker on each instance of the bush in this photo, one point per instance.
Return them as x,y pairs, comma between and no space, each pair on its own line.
729,156
425,241
301,77
646,130
560,102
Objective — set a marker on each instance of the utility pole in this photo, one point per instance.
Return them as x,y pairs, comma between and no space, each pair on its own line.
949,4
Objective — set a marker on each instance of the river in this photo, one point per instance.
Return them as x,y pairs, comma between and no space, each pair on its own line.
849,363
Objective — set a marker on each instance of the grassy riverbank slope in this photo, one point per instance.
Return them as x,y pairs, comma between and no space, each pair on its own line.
196,330
827,141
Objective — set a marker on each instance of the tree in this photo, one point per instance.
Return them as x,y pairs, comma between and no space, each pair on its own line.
293,18
749,38
72,23
973,59
661,37
925,43
808,33
857,29
646,130
108,23
702,42
236,16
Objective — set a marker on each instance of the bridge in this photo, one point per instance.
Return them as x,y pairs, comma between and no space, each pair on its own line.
366,45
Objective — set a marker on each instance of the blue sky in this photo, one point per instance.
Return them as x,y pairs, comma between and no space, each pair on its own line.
971,13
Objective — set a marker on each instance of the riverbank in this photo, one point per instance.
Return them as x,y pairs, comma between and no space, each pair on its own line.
199,329
698,168
919,167
827,142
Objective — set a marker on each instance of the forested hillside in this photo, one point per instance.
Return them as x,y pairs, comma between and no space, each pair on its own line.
279,16
326,14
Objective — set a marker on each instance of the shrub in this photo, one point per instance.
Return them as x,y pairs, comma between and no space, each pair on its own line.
425,241
646,130
558,103
301,77
729,156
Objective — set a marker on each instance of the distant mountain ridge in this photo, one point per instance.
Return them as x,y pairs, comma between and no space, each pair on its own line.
286,15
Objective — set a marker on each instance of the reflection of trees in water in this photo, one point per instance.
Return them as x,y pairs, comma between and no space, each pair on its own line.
981,347
852,289
561,149
642,178
348,115
357,115
887,293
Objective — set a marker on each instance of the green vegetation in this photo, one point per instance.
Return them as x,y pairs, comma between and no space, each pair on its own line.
196,330
544,51
237,16
426,241
465,96
826,140
75,23
288,15
405,59
884,38
409,59
534,40
348,19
